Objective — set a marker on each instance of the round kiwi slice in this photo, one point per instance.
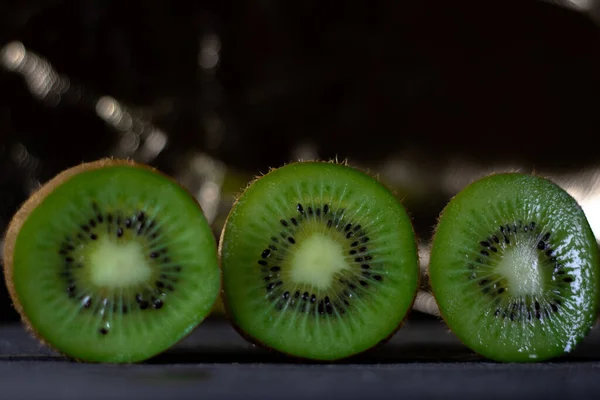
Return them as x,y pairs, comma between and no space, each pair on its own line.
111,261
514,268
319,261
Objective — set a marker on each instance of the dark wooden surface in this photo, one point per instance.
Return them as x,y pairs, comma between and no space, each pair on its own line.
423,360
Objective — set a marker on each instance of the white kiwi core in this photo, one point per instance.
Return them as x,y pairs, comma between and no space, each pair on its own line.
316,260
118,264
520,265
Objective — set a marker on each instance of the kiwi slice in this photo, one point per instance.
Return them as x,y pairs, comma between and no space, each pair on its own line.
319,261
514,268
111,261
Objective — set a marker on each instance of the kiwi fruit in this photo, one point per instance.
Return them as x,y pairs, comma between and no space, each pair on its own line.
111,261
514,268
319,261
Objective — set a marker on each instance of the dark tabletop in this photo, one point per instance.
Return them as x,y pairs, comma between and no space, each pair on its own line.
423,360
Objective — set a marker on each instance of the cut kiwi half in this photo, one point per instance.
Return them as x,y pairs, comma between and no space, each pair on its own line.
111,261
514,268
319,261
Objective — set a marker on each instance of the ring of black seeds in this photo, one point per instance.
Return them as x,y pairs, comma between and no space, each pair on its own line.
505,236
140,224
270,263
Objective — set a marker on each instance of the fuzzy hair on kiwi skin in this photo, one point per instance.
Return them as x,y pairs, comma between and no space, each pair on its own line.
31,204
512,171
258,343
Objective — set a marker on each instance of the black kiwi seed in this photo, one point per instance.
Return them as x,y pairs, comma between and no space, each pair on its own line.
321,307
158,303
325,209
87,302
300,208
546,236
103,331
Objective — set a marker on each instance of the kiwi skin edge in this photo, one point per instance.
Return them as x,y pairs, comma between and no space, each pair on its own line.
441,313
31,204
258,343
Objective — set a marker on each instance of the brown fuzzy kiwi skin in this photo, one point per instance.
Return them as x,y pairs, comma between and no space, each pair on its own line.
296,358
31,204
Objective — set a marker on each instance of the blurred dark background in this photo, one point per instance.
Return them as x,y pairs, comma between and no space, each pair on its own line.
429,94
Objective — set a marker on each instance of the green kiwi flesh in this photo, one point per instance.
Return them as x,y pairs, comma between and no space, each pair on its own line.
111,262
319,261
514,268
